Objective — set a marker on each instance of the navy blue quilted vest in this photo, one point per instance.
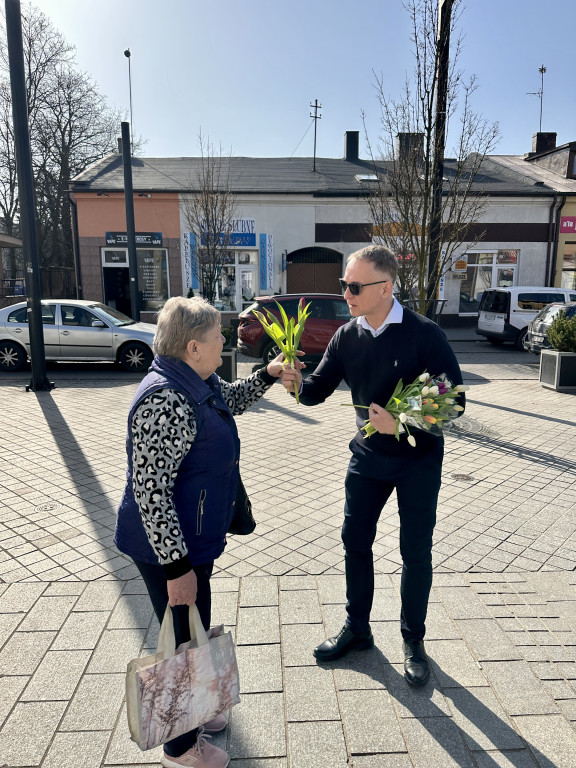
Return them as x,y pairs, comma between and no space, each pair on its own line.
205,487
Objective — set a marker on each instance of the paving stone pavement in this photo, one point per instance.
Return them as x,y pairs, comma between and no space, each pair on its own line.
502,619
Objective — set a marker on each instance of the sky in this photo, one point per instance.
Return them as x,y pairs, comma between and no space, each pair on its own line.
244,72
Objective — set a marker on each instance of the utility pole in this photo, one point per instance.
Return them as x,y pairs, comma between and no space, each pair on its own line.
315,117
130,227
443,62
39,381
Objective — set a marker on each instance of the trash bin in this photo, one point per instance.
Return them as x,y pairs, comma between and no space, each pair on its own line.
227,370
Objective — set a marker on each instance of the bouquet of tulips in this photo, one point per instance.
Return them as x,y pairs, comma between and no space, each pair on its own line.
286,334
428,403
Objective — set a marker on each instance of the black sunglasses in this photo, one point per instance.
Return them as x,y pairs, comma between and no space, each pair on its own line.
355,288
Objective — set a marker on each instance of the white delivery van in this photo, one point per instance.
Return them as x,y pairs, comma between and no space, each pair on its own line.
504,313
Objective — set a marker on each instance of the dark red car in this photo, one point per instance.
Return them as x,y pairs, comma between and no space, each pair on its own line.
328,312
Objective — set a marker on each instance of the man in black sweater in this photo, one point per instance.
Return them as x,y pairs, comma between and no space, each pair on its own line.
384,343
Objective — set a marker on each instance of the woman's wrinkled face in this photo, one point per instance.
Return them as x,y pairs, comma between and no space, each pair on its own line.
210,349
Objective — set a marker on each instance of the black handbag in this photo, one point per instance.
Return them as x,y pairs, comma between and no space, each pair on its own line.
243,521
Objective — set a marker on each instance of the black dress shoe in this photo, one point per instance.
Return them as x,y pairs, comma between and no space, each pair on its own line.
416,668
345,641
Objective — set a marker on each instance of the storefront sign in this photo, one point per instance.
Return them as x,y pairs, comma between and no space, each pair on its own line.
143,239
568,225
152,279
461,263
243,234
266,262
190,262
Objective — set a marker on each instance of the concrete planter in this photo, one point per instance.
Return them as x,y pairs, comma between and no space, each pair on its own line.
558,370
227,370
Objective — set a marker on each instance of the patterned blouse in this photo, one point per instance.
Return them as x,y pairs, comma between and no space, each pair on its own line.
163,429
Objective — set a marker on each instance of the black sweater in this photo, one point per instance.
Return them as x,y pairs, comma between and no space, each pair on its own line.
371,366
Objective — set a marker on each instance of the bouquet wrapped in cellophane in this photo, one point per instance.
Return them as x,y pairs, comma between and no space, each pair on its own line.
286,334
429,403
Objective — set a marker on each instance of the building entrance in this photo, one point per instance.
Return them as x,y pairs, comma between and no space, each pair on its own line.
117,289
313,270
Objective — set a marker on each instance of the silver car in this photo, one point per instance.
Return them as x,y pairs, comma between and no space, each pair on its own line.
79,331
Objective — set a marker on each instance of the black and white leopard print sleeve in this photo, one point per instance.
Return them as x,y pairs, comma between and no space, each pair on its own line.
243,393
163,430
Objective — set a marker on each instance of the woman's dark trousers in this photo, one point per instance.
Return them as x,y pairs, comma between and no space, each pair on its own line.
417,484
156,584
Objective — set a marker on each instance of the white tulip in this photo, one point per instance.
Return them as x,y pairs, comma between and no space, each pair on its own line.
402,418
412,441
434,390
425,390
424,377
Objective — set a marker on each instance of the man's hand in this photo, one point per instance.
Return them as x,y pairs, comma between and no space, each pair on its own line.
381,420
182,591
292,379
276,366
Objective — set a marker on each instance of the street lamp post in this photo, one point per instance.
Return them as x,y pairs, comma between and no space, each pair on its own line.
128,55
39,380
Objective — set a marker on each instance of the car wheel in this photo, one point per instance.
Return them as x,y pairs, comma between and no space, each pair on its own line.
520,340
269,352
135,357
12,356
496,342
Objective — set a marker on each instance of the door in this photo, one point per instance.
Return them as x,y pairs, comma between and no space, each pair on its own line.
18,326
79,339
247,287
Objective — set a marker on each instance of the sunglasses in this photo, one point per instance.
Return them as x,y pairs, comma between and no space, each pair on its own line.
355,288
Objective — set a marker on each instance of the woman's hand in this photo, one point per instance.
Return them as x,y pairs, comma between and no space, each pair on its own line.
182,591
381,420
276,366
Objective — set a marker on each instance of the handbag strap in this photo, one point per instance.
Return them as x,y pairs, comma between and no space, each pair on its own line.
167,639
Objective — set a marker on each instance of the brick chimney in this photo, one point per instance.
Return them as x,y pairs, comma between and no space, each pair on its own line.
543,142
410,146
351,145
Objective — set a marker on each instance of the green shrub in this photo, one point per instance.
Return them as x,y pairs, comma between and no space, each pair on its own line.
227,333
562,334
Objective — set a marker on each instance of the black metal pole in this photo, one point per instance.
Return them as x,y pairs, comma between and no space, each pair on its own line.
76,245
439,148
130,227
39,380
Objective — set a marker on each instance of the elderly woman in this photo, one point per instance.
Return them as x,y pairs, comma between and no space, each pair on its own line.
183,452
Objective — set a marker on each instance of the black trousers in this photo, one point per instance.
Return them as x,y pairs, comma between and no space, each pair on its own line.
369,483
156,584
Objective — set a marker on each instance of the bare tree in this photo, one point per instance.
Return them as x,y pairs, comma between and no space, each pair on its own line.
210,211
401,195
71,126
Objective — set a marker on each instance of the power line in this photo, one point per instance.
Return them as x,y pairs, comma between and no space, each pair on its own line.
303,137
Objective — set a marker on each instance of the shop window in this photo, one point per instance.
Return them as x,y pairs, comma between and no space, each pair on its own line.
568,279
495,269
236,285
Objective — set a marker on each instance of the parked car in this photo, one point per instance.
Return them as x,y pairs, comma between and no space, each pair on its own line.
504,313
76,331
327,313
537,335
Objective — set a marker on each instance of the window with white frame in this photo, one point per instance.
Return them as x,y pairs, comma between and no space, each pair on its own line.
237,284
488,269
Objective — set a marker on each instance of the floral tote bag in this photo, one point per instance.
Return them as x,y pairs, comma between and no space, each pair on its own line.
178,689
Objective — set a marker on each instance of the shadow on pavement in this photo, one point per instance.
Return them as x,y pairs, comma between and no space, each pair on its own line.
425,707
537,457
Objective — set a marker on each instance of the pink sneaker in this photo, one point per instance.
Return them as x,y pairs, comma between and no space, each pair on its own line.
202,755
215,725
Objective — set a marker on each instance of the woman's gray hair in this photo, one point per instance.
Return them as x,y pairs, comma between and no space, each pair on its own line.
381,257
179,321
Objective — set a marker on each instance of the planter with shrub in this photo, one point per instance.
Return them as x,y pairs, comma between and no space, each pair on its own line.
558,365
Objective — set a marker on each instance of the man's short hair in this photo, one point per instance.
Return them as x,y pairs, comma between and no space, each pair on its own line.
179,321
381,257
